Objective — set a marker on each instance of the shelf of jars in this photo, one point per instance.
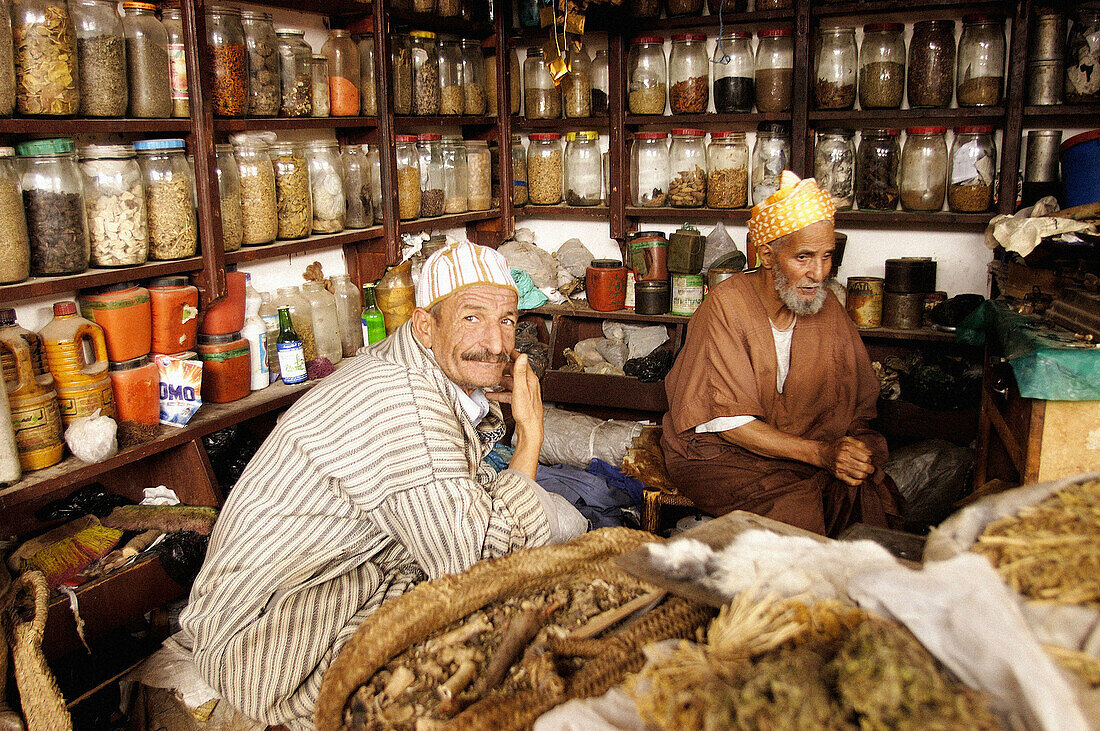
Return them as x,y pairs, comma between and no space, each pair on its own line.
599,213
82,125
249,124
1062,115
908,9
778,18
565,124
302,246
95,277
704,121
448,221
878,118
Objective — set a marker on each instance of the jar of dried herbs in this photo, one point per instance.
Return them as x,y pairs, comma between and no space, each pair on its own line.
229,198
173,233
649,169
479,186
228,60
973,165
45,58
425,72
318,72
15,252
429,149
264,93
53,200
733,73
544,168
101,50
835,166
877,164
576,87
931,75
727,170
647,75
519,171
771,155
326,181
583,169
688,74
114,198
408,177
356,187
342,64
257,180
541,97
292,191
452,99
147,61
687,168
368,89
177,61
835,68
882,66
774,70
924,169
981,64
294,71
473,78
455,174
7,67
401,69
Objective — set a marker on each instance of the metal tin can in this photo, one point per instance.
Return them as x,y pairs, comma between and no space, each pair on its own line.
651,297
865,301
605,283
649,255
910,274
687,293
902,311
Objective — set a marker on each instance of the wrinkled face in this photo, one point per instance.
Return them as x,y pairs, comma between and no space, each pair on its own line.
801,266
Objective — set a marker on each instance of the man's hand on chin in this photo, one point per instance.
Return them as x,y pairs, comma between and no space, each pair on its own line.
848,459
525,397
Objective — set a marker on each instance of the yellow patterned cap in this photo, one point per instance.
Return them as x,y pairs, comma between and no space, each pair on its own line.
797,204
461,265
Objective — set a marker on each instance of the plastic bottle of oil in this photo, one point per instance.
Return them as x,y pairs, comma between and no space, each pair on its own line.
33,402
83,384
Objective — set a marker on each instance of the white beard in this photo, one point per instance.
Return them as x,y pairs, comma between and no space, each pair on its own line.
795,302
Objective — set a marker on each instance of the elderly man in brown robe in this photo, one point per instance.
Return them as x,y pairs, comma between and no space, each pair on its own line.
771,396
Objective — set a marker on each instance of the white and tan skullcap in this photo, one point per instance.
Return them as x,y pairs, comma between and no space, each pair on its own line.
461,265
797,204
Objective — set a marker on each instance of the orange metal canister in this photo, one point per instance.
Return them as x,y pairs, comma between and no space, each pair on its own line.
865,301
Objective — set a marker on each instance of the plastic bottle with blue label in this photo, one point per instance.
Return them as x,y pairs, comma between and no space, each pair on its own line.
255,332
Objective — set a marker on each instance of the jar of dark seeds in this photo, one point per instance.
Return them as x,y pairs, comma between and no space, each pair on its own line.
727,170
356,187
576,87
544,168
647,75
264,93
688,74
473,78
649,169
114,198
877,165
44,46
368,88
15,252
734,87
931,74
541,98
835,68
774,70
294,71
101,49
229,198
430,151
228,59
835,166
147,61
687,166
981,63
168,199
293,194
425,72
7,67
771,155
257,181
177,62
882,66
401,69
583,169
972,170
53,199
326,180
408,177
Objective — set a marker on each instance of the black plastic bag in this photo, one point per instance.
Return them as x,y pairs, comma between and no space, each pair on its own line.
229,450
89,500
652,368
181,555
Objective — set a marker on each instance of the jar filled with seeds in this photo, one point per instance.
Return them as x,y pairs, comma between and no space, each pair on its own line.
647,75
515,82
877,165
544,168
429,150
835,68
734,86
479,187
924,169
101,49
356,187
425,72
455,172
228,60
177,62
293,195
688,74
973,164
368,88
771,155
931,74
15,251
327,183
44,46
408,177
683,7
576,87
401,65
727,170
601,84
264,81
452,100
882,66
1082,56
374,166
519,172
53,200
343,68
649,169
114,199
294,72
169,204
774,70
835,166
981,64
687,165
150,82
646,9
541,98
473,78
318,75
583,169
7,67
257,181
229,198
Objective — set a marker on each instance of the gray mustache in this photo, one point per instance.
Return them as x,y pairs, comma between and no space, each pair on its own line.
484,356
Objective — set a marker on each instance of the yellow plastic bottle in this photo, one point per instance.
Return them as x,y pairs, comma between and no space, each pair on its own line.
7,361
82,385
34,411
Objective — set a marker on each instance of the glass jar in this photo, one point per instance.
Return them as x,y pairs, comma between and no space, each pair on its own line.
326,327
924,169
771,155
177,62
356,187
453,155
301,318
374,168
931,73
149,79
683,7
981,63
46,74
973,167
479,185
649,169
1083,57
835,166
541,98
473,78
101,49
294,72
576,87
15,253
835,68
882,66
170,207
348,310
318,82
515,82
228,60
368,89
264,96
342,67
293,196
452,100
879,159
257,184
519,172
583,169
601,84
718,7
648,74
408,177
114,199
688,76
727,170
528,13
774,70
544,168
733,73
646,9
7,67
429,149
423,6
687,165
425,72
450,8
53,198
229,197
326,180
401,66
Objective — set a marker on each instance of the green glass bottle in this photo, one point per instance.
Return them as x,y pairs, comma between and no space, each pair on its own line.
374,328
292,358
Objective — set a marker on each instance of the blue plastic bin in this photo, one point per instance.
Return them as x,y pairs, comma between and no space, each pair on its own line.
1081,168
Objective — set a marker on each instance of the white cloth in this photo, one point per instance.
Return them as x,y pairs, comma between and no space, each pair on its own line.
475,405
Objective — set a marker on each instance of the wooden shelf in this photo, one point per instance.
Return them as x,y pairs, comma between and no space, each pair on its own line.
554,125
439,24
45,286
893,333
450,221
901,118
665,213
580,309
1062,115
600,213
301,246
601,390
277,123
708,122
405,121
904,219
64,126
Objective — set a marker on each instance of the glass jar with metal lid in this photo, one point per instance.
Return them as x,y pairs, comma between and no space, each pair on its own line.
293,194
688,74
101,49
973,166
576,87
264,83
425,72
342,69
368,88
374,167
1083,56
924,169
649,169
687,165
544,168
835,68
835,166
46,74
931,73
473,78
7,67
15,253
356,187
647,75
519,172
877,163
727,170
882,66
318,83
583,169
479,186
430,150
229,197
326,180
173,233
774,70
408,177
401,73
228,60
53,196
981,61
733,73
452,99
114,199
541,98
149,79
455,172
601,84
294,72
771,155
177,61
257,185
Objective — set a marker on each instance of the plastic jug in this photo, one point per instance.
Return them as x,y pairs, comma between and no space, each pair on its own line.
82,386
124,313
7,360
33,402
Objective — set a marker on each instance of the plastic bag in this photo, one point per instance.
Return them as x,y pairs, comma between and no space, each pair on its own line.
92,438
652,368
575,439
587,351
181,555
932,476
538,263
229,450
88,500
641,340
574,257
719,243
613,351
